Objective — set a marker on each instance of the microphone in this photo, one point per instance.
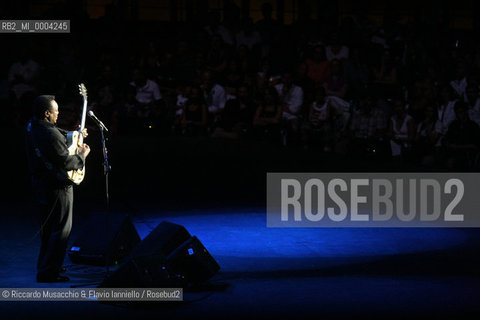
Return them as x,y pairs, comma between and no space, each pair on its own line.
99,123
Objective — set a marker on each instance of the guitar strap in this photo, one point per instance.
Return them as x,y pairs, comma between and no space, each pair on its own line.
61,175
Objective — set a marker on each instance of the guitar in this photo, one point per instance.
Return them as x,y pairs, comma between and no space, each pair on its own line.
75,140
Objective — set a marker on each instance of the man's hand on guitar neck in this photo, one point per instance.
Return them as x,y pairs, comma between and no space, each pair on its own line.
84,149
83,132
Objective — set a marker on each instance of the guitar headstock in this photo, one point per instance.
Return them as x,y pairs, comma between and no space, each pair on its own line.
83,90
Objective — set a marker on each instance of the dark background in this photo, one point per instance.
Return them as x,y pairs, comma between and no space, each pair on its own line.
158,173
157,165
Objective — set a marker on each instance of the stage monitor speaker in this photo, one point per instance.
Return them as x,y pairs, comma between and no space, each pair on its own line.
168,256
91,245
192,262
165,238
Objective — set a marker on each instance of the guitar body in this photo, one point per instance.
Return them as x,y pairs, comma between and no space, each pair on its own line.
75,140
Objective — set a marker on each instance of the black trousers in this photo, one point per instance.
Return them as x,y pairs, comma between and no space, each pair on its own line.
56,220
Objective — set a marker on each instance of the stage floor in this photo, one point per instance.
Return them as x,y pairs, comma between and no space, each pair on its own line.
271,273
217,191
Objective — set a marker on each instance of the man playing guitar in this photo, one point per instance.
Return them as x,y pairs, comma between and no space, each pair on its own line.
49,160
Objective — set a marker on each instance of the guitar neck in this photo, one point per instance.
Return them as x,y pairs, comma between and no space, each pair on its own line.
84,114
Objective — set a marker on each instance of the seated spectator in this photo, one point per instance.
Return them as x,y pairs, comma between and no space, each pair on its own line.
245,60
230,92
303,81
199,67
473,101
462,140
268,115
342,112
401,129
367,128
459,83
149,99
155,62
335,50
445,108
194,117
260,85
248,36
127,113
104,88
385,74
317,66
291,98
356,72
379,38
426,138
215,27
319,124
238,113
217,55
147,91
265,68
246,108
165,72
233,75
183,61
335,84
183,92
214,95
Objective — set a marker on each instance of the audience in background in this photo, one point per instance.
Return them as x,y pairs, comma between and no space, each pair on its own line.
310,84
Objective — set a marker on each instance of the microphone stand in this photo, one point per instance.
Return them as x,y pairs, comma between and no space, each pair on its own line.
106,172
106,166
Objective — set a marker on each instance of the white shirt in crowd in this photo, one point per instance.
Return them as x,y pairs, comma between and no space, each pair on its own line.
341,54
149,93
181,101
474,112
459,86
216,98
402,133
249,40
293,99
231,97
446,114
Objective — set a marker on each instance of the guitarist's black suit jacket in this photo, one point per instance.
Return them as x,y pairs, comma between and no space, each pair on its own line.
49,159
